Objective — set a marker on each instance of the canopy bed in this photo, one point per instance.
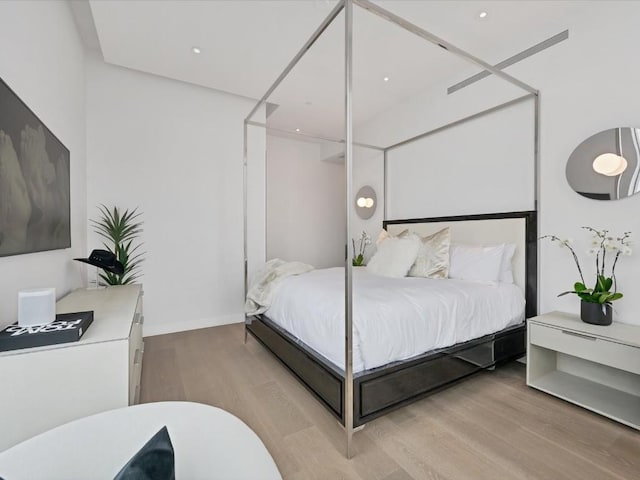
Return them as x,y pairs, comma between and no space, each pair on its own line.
361,372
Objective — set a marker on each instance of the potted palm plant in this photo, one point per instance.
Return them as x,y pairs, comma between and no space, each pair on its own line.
595,305
120,231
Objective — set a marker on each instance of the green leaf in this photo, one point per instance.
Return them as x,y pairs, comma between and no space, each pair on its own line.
566,293
585,295
615,296
120,231
588,297
601,284
579,286
608,283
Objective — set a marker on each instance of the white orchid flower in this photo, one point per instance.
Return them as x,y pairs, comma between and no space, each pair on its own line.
601,243
566,242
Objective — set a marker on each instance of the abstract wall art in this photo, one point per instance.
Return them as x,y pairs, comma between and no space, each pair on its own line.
34,181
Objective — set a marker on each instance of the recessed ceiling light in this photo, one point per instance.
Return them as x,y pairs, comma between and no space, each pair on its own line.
386,79
297,129
196,50
483,14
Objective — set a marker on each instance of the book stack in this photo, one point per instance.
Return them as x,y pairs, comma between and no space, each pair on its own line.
67,327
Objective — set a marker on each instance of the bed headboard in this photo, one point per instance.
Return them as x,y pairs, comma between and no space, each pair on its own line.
490,229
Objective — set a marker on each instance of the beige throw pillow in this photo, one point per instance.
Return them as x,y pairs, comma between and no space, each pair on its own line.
384,235
432,260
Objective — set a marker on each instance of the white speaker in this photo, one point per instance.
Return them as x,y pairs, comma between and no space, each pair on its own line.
36,306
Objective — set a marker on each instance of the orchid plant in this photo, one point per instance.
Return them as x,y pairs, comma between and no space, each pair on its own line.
363,241
607,251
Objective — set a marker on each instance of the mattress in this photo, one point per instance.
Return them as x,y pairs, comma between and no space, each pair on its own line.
393,318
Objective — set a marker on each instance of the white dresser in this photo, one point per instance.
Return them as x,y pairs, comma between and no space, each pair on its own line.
596,367
43,387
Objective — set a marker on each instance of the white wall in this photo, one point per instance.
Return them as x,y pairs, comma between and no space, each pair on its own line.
306,200
368,169
588,84
175,151
305,203
578,101
42,60
492,157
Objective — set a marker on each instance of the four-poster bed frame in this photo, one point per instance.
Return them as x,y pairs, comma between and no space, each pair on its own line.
356,399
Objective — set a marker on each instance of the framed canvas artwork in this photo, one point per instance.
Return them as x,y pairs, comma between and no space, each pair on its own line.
34,181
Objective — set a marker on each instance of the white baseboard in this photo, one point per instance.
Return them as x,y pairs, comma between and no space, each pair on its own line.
183,325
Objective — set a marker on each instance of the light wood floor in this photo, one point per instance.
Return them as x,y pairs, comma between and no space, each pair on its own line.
490,426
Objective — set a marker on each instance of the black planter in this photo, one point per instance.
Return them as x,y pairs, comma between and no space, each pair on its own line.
596,313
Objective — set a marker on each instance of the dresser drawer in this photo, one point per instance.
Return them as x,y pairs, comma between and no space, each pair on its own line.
134,379
586,346
136,351
135,341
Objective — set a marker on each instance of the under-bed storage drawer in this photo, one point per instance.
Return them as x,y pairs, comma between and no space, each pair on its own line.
322,382
379,393
583,345
512,344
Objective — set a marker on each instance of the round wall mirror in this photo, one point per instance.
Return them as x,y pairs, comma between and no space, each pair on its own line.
366,202
605,166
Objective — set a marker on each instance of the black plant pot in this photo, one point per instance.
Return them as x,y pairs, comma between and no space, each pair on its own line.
596,313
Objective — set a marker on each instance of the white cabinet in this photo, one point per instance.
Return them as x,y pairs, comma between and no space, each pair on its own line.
596,367
44,387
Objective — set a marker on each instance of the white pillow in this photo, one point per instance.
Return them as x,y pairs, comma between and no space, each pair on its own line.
475,263
395,256
506,268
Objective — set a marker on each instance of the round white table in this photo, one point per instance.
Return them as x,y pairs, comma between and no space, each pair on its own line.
208,442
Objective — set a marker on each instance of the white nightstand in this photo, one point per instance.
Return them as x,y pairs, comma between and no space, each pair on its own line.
596,367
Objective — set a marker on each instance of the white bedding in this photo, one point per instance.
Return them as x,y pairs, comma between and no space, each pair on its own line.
266,281
393,318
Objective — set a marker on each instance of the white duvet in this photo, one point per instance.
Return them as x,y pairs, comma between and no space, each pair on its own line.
393,318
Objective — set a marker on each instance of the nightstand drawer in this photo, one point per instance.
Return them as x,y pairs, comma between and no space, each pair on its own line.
586,346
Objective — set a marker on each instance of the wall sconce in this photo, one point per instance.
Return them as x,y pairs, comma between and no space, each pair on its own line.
366,202
609,164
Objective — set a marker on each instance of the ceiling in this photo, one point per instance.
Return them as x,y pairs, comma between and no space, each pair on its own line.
246,44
